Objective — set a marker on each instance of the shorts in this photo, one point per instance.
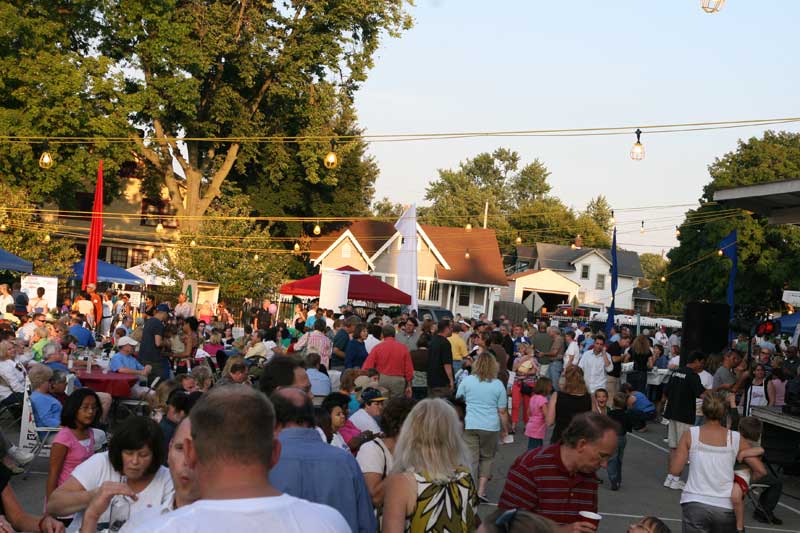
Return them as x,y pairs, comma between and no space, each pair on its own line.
742,478
676,431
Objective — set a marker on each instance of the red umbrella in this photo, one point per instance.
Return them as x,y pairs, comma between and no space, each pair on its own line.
362,287
95,232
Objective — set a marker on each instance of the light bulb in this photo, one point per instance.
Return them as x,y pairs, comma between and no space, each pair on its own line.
612,220
720,252
159,227
255,257
573,246
637,151
331,160
466,254
3,227
677,231
297,247
519,240
711,6
641,230
663,279
468,227
47,237
46,159
317,229
193,243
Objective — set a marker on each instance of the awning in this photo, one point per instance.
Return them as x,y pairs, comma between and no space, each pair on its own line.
789,323
145,271
109,273
362,287
9,261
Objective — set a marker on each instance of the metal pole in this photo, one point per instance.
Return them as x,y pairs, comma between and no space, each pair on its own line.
485,213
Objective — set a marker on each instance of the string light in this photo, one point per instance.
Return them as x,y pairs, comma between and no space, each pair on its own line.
297,247
255,257
466,254
468,227
46,159
331,159
47,237
712,6
663,279
637,151
159,227
720,252
677,231
317,229
518,240
193,243
3,227
612,220
641,230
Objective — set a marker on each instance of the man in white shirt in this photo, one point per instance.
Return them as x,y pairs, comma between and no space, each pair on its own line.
595,363
662,338
572,355
707,380
366,418
374,337
184,308
232,469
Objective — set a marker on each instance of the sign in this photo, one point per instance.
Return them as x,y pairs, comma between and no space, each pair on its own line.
192,292
792,298
475,311
29,285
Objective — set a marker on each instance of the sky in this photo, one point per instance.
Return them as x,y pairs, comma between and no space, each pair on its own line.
471,65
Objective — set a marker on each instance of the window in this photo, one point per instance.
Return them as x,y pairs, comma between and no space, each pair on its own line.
600,284
119,257
433,290
139,256
347,251
422,289
391,280
102,253
478,295
463,296
163,209
584,271
428,290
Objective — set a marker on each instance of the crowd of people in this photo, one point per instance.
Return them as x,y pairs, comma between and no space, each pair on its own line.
245,430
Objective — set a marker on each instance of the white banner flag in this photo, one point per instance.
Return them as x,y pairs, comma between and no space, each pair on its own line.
407,263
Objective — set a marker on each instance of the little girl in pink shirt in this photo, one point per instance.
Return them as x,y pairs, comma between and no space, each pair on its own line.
536,426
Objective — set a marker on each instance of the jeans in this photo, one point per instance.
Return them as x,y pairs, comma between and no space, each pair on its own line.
637,380
534,443
639,419
769,498
702,518
554,372
615,463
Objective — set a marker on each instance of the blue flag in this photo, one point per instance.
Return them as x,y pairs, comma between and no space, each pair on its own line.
729,250
612,307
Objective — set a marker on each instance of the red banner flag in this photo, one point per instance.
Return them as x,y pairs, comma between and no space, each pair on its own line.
95,233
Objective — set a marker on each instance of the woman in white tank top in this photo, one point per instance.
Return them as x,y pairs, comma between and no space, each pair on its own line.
712,450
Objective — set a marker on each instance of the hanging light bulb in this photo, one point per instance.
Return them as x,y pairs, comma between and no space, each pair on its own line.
677,231
641,230
637,151
711,6
612,220
3,226
466,254
468,227
255,257
518,240
46,159
297,247
663,279
317,229
159,227
193,243
47,237
331,159
720,252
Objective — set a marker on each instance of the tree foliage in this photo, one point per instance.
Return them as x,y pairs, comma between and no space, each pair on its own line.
25,233
769,256
386,208
153,70
519,200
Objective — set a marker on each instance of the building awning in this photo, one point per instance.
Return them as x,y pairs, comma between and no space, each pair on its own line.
778,201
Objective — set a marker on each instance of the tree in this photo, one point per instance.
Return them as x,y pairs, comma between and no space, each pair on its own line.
386,208
653,266
240,255
220,70
599,210
769,256
25,234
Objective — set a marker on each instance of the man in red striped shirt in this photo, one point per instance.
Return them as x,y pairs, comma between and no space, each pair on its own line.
559,481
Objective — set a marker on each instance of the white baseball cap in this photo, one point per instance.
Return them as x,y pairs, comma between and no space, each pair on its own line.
126,341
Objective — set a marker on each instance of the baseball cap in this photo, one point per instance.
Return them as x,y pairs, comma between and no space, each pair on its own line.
126,341
372,395
164,308
361,382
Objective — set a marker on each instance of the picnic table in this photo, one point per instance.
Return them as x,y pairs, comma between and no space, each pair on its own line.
116,384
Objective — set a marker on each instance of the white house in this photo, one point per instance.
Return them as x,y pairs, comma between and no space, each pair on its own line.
539,289
590,268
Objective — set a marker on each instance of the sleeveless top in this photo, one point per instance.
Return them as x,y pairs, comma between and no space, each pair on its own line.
567,406
450,506
711,471
780,392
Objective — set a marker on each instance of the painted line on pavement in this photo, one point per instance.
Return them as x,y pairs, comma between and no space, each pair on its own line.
620,515
665,450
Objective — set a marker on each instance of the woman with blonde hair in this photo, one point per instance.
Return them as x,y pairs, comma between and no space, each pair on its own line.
431,488
641,354
572,399
203,377
486,419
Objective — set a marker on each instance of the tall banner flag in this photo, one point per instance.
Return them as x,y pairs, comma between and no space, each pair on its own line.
614,281
95,233
729,250
407,263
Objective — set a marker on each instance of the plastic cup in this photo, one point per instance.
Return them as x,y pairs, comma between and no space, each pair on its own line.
590,517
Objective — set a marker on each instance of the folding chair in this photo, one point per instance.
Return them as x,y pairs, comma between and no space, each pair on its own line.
37,440
136,406
754,496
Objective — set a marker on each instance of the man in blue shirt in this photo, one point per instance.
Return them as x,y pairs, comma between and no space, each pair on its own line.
124,362
306,464
320,382
46,408
84,336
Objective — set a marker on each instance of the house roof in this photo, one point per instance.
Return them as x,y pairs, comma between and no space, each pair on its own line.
485,266
644,294
558,257
522,274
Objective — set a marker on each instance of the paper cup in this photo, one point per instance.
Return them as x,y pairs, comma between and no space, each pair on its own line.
592,518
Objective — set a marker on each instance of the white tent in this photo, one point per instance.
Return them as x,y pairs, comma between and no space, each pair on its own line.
146,272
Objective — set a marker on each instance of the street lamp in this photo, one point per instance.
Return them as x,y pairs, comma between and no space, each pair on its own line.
331,159
637,151
46,159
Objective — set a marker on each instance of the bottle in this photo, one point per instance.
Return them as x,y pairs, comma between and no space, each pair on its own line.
119,511
70,361
89,362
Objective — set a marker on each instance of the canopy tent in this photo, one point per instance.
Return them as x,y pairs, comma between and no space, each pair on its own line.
146,269
108,273
362,287
789,323
9,261
632,320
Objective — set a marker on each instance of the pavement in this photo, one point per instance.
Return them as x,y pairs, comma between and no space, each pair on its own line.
641,493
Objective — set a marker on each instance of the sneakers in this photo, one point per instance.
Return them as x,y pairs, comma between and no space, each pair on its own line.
22,457
674,483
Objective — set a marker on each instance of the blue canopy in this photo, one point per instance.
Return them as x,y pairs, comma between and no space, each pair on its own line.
9,261
789,322
108,273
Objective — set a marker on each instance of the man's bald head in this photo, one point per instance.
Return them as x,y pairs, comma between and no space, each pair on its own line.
293,408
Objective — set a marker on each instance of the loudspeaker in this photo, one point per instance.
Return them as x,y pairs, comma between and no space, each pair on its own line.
705,328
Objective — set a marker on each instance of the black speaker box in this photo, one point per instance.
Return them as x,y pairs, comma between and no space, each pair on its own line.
705,328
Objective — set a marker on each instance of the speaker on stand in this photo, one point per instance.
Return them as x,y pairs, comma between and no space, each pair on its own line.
705,328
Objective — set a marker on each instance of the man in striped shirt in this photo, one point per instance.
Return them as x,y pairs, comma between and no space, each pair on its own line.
558,481
316,340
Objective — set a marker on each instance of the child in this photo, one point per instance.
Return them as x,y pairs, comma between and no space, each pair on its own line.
536,426
750,429
601,401
618,414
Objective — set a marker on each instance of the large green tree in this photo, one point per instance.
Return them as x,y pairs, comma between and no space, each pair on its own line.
199,69
769,256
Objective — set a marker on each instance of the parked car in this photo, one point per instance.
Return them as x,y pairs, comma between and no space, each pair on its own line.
435,313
